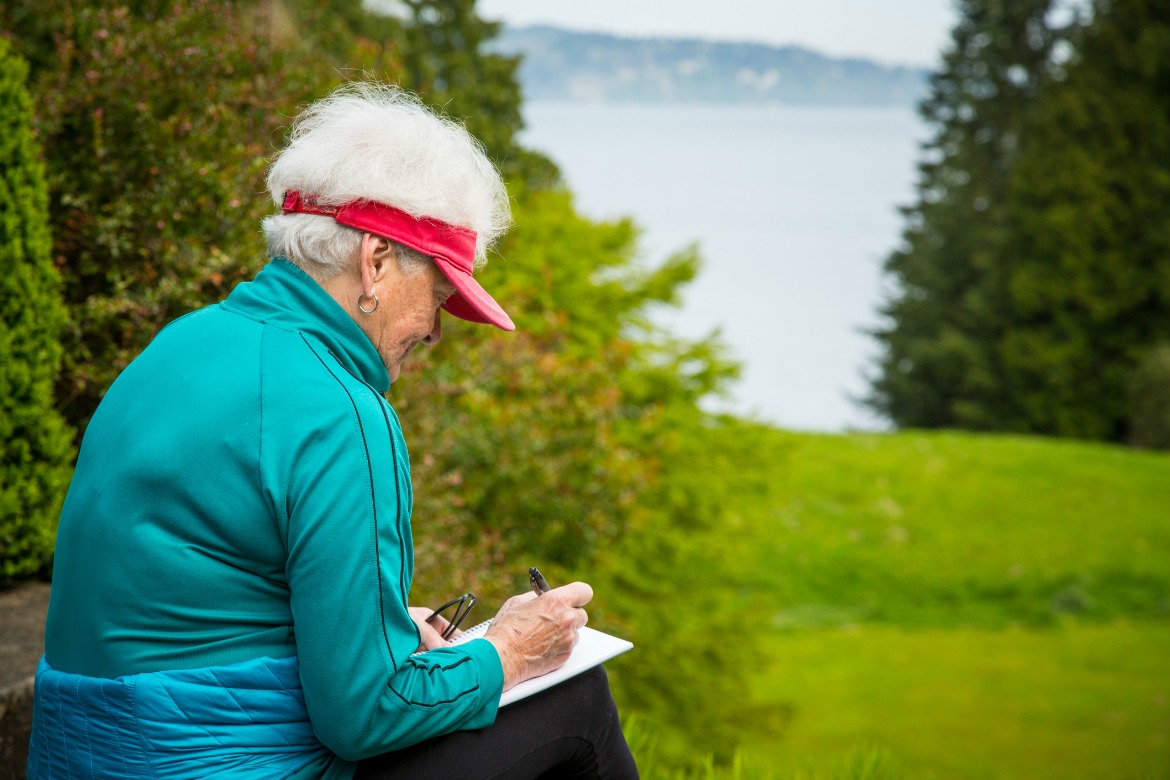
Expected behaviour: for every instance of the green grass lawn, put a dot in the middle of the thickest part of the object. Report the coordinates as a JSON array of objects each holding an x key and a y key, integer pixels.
[
  {"x": 1077, "y": 701},
  {"x": 978, "y": 606},
  {"x": 952, "y": 529}
]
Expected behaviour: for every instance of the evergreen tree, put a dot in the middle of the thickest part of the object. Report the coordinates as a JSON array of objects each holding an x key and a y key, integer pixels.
[
  {"x": 938, "y": 368},
  {"x": 1084, "y": 293},
  {"x": 37, "y": 451}
]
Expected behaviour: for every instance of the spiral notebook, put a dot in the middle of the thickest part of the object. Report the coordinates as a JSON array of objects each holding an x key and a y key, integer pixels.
[{"x": 593, "y": 648}]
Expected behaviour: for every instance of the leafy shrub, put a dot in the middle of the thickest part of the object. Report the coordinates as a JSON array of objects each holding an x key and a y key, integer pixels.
[{"x": 34, "y": 461}]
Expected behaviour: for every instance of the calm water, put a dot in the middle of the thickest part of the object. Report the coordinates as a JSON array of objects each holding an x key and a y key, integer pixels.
[{"x": 793, "y": 209}]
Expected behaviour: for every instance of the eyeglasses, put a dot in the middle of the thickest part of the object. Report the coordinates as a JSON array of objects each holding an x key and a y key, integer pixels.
[{"x": 462, "y": 605}]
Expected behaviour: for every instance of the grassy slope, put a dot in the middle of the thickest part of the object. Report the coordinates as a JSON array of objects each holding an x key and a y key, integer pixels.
[
  {"x": 945, "y": 529},
  {"x": 981, "y": 606}
]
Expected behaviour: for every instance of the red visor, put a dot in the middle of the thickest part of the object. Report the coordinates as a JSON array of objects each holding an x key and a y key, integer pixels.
[{"x": 450, "y": 246}]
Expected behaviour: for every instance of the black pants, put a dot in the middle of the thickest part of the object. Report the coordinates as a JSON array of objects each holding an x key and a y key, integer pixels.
[{"x": 569, "y": 731}]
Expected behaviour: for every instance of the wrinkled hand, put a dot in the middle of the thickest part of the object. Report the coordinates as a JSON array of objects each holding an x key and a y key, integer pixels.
[
  {"x": 430, "y": 633},
  {"x": 535, "y": 635}
]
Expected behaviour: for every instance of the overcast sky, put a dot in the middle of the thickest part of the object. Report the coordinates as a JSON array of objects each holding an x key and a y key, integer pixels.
[{"x": 892, "y": 31}]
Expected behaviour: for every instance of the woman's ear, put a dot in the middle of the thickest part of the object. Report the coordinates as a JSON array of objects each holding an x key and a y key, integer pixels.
[{"x": 375, "y": 262}]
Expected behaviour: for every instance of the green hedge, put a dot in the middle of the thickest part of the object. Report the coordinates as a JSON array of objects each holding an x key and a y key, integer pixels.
[{"x": 37, "y": 450}]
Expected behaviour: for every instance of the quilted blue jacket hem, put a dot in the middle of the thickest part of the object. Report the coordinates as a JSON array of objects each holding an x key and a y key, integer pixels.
[{"x": 246, "y": 720}]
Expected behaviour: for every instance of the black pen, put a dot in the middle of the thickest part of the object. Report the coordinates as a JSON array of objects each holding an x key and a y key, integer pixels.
[{"x": 537, "y": 581}]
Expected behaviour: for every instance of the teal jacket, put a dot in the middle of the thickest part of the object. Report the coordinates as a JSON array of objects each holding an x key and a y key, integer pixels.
[{"x": 243, "y": 492}]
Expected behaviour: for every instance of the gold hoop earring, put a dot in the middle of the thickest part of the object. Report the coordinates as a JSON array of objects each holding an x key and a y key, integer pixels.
[{"x": 363, "y": 309}]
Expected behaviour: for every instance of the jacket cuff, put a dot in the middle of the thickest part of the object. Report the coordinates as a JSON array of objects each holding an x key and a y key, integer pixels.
[{"x": 491, "y": 681}]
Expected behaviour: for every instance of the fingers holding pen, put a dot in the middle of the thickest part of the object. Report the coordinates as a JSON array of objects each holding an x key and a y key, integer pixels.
[
  {"x": 535, "y": 634},
  {"x": 567, "y": 605},
  {"x": 577, "y": 594},
  {"x": 559, "y": 607}
]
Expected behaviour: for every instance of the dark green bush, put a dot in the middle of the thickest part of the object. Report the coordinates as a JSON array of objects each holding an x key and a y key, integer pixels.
[{"x": 37, "y": 449}]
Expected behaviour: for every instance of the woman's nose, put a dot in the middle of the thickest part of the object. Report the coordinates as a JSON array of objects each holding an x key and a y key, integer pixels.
[{"x": 436, "y": 332}]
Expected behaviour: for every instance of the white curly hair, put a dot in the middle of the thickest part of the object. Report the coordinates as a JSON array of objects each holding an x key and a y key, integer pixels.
[{"x": 376, "y": 142}]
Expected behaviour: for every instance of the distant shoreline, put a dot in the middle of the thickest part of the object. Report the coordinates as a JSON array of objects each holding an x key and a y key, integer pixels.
[
  {"x": 561, "y": 65},
  {"x": 778, "y": 107}
]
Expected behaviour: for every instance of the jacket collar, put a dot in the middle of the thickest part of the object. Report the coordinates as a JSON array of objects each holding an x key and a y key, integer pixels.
[{"x": 285, "y": 296}]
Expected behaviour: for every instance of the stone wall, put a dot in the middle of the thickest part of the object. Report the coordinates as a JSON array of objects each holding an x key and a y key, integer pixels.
[{"x": 22, "y": 640}]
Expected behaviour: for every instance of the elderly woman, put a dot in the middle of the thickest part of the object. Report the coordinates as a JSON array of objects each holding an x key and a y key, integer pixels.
[{"x": 231, "y": 581}]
